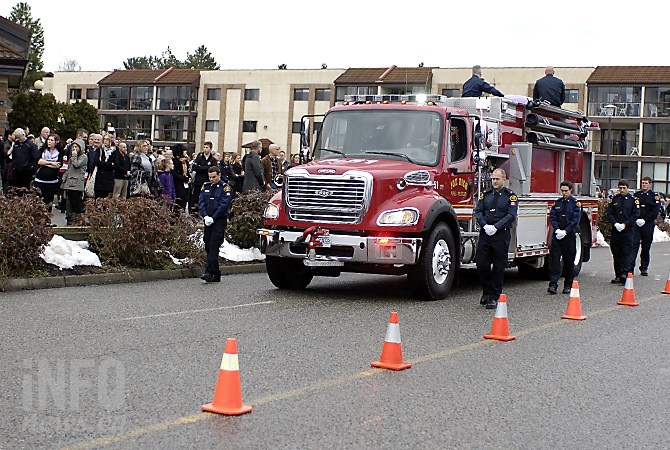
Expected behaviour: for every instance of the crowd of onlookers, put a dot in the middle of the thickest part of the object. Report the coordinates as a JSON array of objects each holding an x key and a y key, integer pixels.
[{"x": 98, "y": 165}]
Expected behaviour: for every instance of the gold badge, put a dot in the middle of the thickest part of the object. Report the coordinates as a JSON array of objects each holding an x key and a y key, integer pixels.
[
  {"x": 226, "y": 188},
  {"x": 481, "y": 196},
  {"x": 202, "y": 188},
  {"x": 512, "y": 198},
  {"x": 637, "y": 202},
  {"x": 579, "y": 204}
]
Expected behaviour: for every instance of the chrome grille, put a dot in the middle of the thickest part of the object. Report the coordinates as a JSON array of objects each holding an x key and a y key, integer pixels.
[{"x": 328, "y": 199}]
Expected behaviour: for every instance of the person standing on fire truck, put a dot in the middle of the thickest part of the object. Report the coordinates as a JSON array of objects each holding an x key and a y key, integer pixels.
[
  {"x": 495, "y": 212},
  {"x": 550, "y": 88},
  {"x": 564, "y": 218},
  {"x": 623, "y": 210},
  {"x": 476, "y": 85},
  {"x": 650, "y": 205}
]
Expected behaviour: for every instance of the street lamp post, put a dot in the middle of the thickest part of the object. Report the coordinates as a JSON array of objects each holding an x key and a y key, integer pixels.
[{"x": 609, "y": 110}]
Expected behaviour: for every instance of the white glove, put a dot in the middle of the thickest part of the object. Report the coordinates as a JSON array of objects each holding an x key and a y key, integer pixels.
[
  {"x": 208, "y": 221},
  {"x": 639, "y": 222},
  {"x": 490, "y": 230},
  {"x": 560, "y": 234},
  {"x": 619, "y": 227}
]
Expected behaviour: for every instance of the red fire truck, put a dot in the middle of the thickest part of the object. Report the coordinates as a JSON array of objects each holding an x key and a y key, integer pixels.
[{"x": 394, "y": 179}]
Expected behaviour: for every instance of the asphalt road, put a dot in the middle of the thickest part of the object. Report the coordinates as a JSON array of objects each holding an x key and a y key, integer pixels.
[{"x": 128, "y": 366}]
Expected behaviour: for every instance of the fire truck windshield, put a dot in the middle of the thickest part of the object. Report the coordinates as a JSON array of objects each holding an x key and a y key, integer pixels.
[{"x": 410, "y": 135}]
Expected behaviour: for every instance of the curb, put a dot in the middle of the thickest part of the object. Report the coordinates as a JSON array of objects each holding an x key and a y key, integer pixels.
[{"x": 21, "y": 284}]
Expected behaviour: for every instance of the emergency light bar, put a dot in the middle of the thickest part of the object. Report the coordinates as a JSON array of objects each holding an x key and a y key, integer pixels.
[{"x": 418, "y": 99}]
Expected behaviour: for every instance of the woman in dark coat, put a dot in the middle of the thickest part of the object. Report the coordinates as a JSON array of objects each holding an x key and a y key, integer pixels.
[
  {"x": 104, "y": 163},
  {"x": 180, "y": 174}
]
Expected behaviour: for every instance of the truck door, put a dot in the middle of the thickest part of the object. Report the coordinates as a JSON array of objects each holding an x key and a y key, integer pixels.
[{"x": 458, "y": 177}]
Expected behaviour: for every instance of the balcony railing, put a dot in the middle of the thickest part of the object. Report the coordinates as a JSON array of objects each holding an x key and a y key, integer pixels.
[{"x": 630, "y": 109}]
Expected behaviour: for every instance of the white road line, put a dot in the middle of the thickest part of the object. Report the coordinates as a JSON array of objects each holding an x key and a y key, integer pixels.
[{"x": 192, "y": 311}]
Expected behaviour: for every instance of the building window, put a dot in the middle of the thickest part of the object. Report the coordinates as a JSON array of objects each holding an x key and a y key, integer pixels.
[
  {"x": 75, "y": 94},
  {"x": 301, "y": 94},
  {"x": 212, "y": 125},
  {"x": 92, "y": 93},
  {"x": 341, "y": 91},
  {"x": 658, "y": 172},
  {"x": 323, "y": 95},
  {"x": 114, "y": 97},
  {"x": 249, "y": 126},
  {"x": 141, "y": 97},
  {"x": 214, "y": 94},
  {"x": 252, "y": 94},
  {"x": 626, "y": 99},
  {"x": 572, "y": 96},
  {"x": 296, "y": 127},
  {"x": 451, "y": 93},
  {"x": 656, "y": 139},
  {"x": 177, "y": 98}
]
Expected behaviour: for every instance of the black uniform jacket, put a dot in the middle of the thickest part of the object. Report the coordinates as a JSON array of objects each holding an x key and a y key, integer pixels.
[
  {"x": 498, "y": 208},
  {"x": 568, "y": 220}
]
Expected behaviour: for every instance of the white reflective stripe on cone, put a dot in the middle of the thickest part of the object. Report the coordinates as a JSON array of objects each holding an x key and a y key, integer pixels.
[
  {"x": 501, "y": 310},
  {"x": 230, "y": 362},
  {"x": 574, "y": 292},
  {"x": 629, "y": 283},
  {"x": 393, "y": 333}
]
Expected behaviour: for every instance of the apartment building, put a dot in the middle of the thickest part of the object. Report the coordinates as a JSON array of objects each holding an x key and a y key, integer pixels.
[{"x": 233, "y": 107}]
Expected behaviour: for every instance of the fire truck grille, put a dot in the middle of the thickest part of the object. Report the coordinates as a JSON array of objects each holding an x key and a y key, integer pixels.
[{"x": 326, "y": 199}]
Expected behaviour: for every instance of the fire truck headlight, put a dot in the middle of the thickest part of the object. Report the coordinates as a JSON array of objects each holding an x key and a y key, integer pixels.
[
  {"x": 271, "y": 211},
  {"x": 399, "y": 217}
]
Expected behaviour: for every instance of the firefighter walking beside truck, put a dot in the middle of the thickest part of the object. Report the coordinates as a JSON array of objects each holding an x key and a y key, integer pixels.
[{"x": 564, "y": 217}]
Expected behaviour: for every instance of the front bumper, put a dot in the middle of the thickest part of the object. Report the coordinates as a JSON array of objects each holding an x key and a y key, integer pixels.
[{"x": 343, "y": 248}]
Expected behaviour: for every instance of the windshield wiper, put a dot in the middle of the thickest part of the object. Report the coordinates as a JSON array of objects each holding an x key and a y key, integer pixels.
[
  {"x": 334, "y": 151},
  {"x": 390, "y": 154}
]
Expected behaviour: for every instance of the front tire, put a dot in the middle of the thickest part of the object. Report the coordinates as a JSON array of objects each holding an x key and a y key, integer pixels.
[
  {"x": 433, "y": 275},
  {"x": 288, "y": 273}
]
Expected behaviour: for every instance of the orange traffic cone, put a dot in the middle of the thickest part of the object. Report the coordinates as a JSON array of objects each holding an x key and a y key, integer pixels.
[
  {"x": 228, "y": 392},
  {"x": 500, "y": 327},
  {"x": 666, "y": 290},
  {"x": 574, "y": 311},
  {"x": 391, "y": 357},
  {"x": 628, "y": 296}
]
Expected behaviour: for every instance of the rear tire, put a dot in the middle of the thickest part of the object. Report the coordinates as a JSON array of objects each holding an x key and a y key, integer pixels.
[
  {"x": 288, "y": 273},
  {"x": 433, "y": 275}
]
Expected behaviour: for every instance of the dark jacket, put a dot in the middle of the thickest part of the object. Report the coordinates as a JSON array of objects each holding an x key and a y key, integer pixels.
[
  {"x": 121, "y": 165},
  {"x": 180, "y": 176},
  {"x": 200, "y": 166},
  {"x": 551, "y": 89},
  {"x": 227, "y": 173},
  {"x": 25, "y": 156},
  {"x": 475, "y": 86},
  {"x": 650, "y": 205},
  {"x": 104, "y": 178},
  {"x": 623, "y": 209},
  {"x": 500, "y": 212},
  {"x": 253, "y": 173},
  {"x": 215, "y": 200},
  {"x": 565, "y": 214}
]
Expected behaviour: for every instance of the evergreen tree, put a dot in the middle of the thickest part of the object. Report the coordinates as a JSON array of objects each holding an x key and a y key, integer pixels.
[
  {"x": 201, "y": 59},
  {"x": 22, "y": 15},
  {"x": 34, "y": 110},
  {"x": 77, "y": 115}
]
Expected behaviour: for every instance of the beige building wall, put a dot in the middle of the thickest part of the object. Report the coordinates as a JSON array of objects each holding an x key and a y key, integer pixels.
[
  {"x": 275, "y": 111},
  {"x": 62, "y": 82}
]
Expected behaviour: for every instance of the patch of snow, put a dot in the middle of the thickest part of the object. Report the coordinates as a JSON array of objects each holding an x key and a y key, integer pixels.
[
  {"x": 66, "y": 254},
  {"x": 232, "y": 252}
]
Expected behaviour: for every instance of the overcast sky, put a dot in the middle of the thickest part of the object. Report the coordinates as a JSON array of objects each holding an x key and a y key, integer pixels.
[{"x": 355, "y": 33}]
